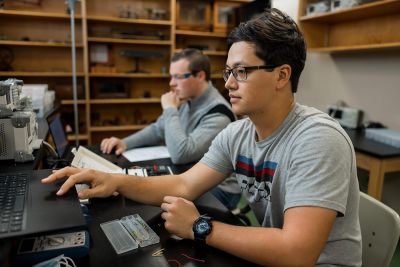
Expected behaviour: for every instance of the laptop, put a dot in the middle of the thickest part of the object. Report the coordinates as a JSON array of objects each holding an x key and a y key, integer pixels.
[
  {"x": 59, "y": 137},
  {"x": 34, "y": 208}
]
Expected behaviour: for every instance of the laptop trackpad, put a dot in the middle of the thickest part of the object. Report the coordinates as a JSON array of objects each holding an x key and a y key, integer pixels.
[{"x": 49, "y": 212}]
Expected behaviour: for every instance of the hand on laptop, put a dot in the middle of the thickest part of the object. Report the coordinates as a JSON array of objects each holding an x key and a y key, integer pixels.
[
  {"x": 108, "y": 144},
  {"x": 102, "y": 184}
]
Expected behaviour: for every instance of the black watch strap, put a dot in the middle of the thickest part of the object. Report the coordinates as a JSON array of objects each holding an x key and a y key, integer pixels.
[{"x": 202, "y": 227}]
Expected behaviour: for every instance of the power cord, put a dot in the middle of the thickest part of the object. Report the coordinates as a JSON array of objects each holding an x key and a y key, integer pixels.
[
  {"x": 50, "y": 149},
  {"x": 53, "y": 160}
]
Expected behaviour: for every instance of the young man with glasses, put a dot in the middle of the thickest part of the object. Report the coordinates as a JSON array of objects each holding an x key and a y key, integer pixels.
[
  {"x": 295, "y": 164},
  {"x": 194, "y": 112}
]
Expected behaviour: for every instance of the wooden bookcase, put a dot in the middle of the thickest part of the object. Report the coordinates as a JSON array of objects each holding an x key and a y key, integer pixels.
[
  {"x": 373, "y": 25},
  {"x": 39, "y": 38},
  {"x": 118, "y": 92}
]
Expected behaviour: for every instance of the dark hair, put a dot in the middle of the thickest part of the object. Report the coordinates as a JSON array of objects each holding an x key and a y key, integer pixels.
[
  {"x": 197, "y": 61},
  {"x": 277, "y": 40}
]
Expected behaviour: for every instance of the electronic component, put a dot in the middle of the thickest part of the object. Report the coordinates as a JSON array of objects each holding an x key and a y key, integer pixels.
[
  {"x": 32, "y": 250},
  {"x": 339, "y": 4},
  {"x": 319, "y": 7},
  {"x": 347, "y": 117},
  {"x": 140, "y": 230},
  {"x": 129, "y": 233},
  {"x": 20, "y": 132},
  {"x": 118, "y": 236},
  {"x": 19, "y": 129},
  {"x": 10, "y": 92},
  {"x": 157, "y": 170}
]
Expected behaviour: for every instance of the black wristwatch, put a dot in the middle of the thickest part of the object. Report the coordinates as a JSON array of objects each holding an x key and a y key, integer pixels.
[{"x": 201, "y": 228}]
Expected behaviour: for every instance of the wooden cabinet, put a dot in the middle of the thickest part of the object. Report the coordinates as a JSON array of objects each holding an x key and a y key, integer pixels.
[
  {"x": 125, "y": 90},
  {"x": 39, "y": 40},
  {"x": 123, "y": 55},
  {"x": 211, "y": 41},
  {"x": 373, "y": 25}
]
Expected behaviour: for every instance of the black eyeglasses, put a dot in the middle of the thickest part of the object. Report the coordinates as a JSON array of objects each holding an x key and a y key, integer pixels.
[
  {"x": 181, "y": 76},
  {"x": 240, "y": 72}
]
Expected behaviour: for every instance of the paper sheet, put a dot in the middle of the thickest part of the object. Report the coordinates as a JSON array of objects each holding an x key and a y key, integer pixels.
[
  {"x": 146, "y": 153},
  {"x": 85, "y": 158}
]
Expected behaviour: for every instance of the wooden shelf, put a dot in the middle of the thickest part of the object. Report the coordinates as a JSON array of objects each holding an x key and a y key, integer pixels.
[
  {"x": 355, "y": 48},
  {"x": 372, "y": 26},
  {"x": 116, "y": 128},
  {"x": 51, "y": 22},
  {"x": 375, "y": 9},
  {"x": 127, "y": 41},
  {"x": 37, "y": 74},
  {"x": 37, "y": 43},
  {"x": 209, "y": 52},
  {"x": 71, "y": 102},
  {"x": 205, "y": 34},
  {"x": 216, "y": 76},
  {"x": 215, "y": 53},
  {"x": 126, "y": 101},
  {"x": 129, "y": 21},
  {"x": 130, "y": 75},
  {"x": 81, "y": 137},
  {"x": 37, "y": 14}
]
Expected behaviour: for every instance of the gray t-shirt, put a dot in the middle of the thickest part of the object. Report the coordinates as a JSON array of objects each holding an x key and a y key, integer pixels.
[{"x": 308, "y": 161}]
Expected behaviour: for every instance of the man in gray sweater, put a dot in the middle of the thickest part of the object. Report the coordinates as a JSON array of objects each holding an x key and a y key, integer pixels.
[{"x": 194, "y": 112}]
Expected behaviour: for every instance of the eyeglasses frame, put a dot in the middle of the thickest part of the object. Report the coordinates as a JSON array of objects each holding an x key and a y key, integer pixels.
[
  {"x": 183, "y": 76},
  {"x": 248, "y": 69}
]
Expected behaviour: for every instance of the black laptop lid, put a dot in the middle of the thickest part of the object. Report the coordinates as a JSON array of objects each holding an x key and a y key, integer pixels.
[{"x": 58, "y": 134}]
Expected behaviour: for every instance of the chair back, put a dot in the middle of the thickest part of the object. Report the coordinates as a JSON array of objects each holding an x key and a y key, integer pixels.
[{"x": 380, "y": 230}]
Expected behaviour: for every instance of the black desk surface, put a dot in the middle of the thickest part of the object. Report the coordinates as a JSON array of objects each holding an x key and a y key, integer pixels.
[
  {"x": 102, "y": 253},
  {"x": 103, "y": 210},
  {"x": 371, "y": 147}
]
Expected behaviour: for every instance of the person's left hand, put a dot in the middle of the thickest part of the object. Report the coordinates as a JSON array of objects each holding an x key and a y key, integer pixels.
[
  {"x": 179, "y": 215},
  {"x": 170, "y": 99}
]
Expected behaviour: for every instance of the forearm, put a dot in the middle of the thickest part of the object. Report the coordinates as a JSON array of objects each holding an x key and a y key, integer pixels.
[
  {"x": 145, "y": 137},
  {"x": 151, "y": 190},
  {"x": 265, "y": 246}
]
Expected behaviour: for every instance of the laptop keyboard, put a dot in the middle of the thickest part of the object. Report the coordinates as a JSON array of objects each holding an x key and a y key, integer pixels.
[{"x": 13, "y": 190}]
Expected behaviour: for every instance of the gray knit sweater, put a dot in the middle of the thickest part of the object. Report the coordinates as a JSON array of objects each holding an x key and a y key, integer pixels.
[{"x": 176, "y": 128}]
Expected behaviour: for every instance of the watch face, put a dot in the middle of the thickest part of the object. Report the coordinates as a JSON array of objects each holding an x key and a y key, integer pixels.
[{"x": 202, "y": 227}]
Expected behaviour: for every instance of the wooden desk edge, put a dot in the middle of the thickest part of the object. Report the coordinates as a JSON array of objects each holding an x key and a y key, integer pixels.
[{"x": 377, "y": 168}]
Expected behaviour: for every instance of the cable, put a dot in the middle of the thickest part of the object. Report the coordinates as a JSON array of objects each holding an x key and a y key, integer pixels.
[
  {"x": 65, "y": 261},
  {"x": 50, "y": 149}
]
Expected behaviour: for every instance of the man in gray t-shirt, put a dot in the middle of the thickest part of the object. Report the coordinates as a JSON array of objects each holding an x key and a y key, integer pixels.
[
  {"x": 308, "y": 161},
  {"x": 295, "y": 165}
]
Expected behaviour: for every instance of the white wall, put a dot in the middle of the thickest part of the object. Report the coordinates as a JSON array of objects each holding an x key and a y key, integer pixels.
[{"x": 366, "y": 80}]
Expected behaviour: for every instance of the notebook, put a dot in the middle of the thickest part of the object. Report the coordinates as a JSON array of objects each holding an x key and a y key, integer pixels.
[{"x": 36, "y": 209}]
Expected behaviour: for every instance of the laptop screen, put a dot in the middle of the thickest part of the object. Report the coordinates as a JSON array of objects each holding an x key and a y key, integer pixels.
[{"x": 58, "y": 134}]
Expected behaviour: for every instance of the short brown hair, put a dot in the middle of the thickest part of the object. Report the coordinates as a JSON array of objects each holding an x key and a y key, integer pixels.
[
  {"x": 277, "y": 39},
  {"x": 197, "y": 61}
]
